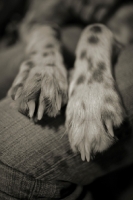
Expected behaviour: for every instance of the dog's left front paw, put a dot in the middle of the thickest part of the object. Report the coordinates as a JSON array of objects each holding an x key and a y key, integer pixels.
[
  {"x": 91, "y": 114},
  {"x": 94, "y": 106}
]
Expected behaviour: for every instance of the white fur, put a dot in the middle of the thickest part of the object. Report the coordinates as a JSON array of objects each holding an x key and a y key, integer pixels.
[{"x": 85, "y": 126}]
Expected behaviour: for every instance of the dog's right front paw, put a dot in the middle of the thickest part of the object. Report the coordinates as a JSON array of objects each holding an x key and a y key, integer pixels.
[
  {"x": 41, "y": 88},
  {"x": 41, "y": 84}
]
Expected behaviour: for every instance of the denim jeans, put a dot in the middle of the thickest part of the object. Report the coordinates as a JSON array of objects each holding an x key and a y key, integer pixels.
[{"x": 36, "y": 161}]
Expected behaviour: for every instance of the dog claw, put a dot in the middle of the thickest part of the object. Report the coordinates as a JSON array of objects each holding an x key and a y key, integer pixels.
[
  {"x": 31, "y": 105},
  {"x": 40, "y": 111}
]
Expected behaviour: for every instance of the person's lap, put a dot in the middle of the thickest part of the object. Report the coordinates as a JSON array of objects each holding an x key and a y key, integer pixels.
[{"x": 42, "y": 150}]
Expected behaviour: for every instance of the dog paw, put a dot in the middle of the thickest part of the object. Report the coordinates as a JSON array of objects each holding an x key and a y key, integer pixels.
[
  {"x": 91, "y": 114},
  {"x": 39, "y": 88}
]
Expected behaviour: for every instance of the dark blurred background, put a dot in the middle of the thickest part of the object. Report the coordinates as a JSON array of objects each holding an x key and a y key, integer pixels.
[{"x": 11, "y": 14}]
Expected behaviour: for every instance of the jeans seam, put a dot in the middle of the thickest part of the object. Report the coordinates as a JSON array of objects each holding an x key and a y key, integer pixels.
[{"x": 32, "y": 191}]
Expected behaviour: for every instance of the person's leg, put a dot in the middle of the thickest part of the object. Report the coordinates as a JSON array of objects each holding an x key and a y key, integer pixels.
[{"x": 42, "y": 151}]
